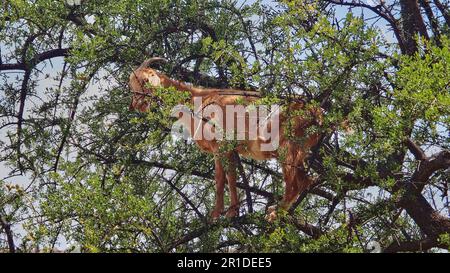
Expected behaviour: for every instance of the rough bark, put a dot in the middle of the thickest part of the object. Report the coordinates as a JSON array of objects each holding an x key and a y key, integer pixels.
[{"x": 412, "y": 24}]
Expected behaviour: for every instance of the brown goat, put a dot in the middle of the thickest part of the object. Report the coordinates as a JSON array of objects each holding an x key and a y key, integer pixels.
[{"x": 291, "y": 152}]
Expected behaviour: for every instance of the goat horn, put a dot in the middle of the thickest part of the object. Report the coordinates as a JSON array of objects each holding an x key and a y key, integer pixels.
[{"x": 149, "y": 61}]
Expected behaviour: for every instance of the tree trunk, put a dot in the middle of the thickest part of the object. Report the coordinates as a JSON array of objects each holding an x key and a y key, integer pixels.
[{"x": 413, "y": 24}]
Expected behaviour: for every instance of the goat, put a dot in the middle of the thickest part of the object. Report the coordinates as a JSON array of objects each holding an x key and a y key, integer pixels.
[{"x": 291, "y": 153}]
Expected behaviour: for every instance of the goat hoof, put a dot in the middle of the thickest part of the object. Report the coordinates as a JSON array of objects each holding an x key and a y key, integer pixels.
[
  {"x": 271, "y": 215},
  {"x": 215, "y": 215},
  {"x": 232, "y": 213}
]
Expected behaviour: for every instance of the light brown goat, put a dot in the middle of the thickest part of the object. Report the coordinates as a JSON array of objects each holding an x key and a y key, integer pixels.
[{"x": 291, "y": 152}]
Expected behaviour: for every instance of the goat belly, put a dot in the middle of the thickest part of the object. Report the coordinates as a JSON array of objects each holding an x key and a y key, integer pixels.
[{"x": 207, "y": 146}]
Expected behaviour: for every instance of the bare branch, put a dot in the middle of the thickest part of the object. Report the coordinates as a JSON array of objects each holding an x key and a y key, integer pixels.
[
  {"x": 9, "y": 235},
  {"x": 415, "y": 149},
  {"x": 412, "y": 246},
  {"x": 245, "y": 180},
  {"x": 443, "y": 10},
  {"x": 439, "y": 161}
]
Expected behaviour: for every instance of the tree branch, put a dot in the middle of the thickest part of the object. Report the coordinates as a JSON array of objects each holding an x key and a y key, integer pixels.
[
  {"x": 431, "y": 222},
  {"x": 306, "y": 228},
  {"x": 248, "y": 194},
  {"x": 439, "y": 161},
  {"x": 415, "y": 149},
  {"x": 380, "y": 12},
  {"x": 185, "y": 198},
  {"x": 443, "y": 10},
  {"x": 412, "y": 246},
  {"x": 9, "y": 235}
]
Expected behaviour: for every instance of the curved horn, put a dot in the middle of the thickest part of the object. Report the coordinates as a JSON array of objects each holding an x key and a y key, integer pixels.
[{"x": 149, "y": 61}]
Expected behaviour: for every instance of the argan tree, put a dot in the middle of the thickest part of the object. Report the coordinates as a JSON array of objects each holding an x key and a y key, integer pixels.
[{"x": 80, "y": 171}]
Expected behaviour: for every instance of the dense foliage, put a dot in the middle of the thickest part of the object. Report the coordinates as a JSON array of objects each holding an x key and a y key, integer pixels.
[{"x": 80, "y": 171}]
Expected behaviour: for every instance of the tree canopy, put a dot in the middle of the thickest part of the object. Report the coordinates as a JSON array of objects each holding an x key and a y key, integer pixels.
[{"x": 80, "y": 171}]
